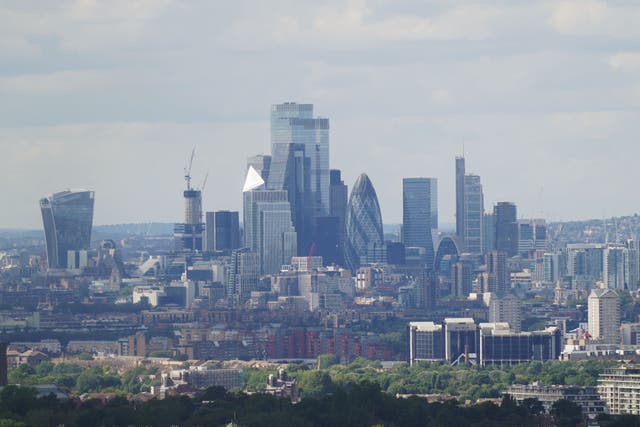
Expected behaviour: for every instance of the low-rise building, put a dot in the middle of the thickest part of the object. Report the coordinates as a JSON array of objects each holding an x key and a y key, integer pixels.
[
  {"x": 426, "y": 342},
  {"x": 499, "y": 345},
  {"x": 586, "y": 397},
  {"x": 283, "y": 386},
  {"x": 620, "y": 389}
]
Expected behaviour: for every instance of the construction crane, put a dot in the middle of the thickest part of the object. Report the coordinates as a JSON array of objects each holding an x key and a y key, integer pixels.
[
  {"x": 187, "y": 170},
  {"x": 204, "y": 182}
]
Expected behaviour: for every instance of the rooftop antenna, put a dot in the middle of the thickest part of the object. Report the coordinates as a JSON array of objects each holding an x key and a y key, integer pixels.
[
  {"x": 187, "y": 170},
  {"x": 540, "y": 201}
]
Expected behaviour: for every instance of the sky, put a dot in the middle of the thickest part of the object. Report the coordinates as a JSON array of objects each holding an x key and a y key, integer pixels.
[{"x": 543, "y": 98}]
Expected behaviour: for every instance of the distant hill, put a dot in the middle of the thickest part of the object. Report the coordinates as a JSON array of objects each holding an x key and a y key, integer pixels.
[
  {"x": 615, "y": 229},
  {"x": 99, "y": 232},
  {"x": 150, "y": 229}
]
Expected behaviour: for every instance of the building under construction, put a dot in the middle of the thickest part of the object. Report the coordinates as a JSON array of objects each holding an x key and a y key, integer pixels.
[{"x": 188, "y": 234}]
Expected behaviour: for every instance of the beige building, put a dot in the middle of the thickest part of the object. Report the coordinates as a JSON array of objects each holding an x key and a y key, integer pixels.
[
  {"x": 604, "y": 316},
  {"x": 506, "y": 309}
]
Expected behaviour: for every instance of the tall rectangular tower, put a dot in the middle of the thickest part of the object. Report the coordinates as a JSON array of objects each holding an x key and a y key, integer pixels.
[
  {"x": 339, "y": 195},
  {"x": 473, "y": 214},
  {"x": 604, "y": 316},
  {"x": 506, "y": 221},
  {"x": 268, "y": 227},
  {"x": 460, "y": 215},
  {"x": 225, "y": 230},
  {"x": 300, "y": 165},
  {"x": 498, "y": 278},
  {"x": 615, "y": 268},
  {"x": 434, "y": 202},
  {"x": 416, "y": 215}
]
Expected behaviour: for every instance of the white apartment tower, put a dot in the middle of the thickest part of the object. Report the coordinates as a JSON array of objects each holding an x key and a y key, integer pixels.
[{"x": 604, "y": 316}]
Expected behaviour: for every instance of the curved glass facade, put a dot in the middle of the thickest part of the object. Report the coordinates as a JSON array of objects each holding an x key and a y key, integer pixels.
[
  {"x": 365, "y": 240},
  {"x": 67, "y": 217},
  {"x": 447, "y": 246}
]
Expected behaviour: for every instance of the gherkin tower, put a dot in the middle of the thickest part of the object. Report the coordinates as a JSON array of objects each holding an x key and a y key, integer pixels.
[{"x": 365, "y": 240}]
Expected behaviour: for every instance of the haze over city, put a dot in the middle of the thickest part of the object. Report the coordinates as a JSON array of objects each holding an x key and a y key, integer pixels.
[{"x": 112, "y": 96}]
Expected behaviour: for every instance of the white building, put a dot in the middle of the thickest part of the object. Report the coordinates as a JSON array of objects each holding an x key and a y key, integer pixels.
[
  {"x": 620, "y": 389},
  {"x": 604, "y": 316},
  {"x": 151, "y": 293}
]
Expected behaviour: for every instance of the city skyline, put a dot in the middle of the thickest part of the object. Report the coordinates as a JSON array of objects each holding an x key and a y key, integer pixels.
[
  {"x": 542, "y": 95},
  {"x": 226, "y": 190}
]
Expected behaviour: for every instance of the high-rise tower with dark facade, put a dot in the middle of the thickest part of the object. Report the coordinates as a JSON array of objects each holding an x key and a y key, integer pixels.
[
  {"x": 506, "y": 228},
  {"x": 67, "y": 217},
  {"x": 416, "y": 215},
  {"x": 222, "y": 231},
  {"x": 338, "y": 199}
]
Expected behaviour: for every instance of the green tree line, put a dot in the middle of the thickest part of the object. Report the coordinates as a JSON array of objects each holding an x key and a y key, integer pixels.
[{"x": 360, "y": 405}]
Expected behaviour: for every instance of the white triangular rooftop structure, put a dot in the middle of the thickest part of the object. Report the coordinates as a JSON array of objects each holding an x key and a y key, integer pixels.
[{"x": 253, "y": 180}]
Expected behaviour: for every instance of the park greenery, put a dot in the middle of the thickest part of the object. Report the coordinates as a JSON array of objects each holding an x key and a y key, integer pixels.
[
  {"x": 79, "y": 379},
  {"x": 463, "y": 382},
  {"x": 359, "y": 394},
  {"x": 360, "y": 405}
]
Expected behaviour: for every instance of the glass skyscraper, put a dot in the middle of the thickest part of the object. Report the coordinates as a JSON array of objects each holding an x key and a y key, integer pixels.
[
  {"x": 67, "y": 217},
  {"x": 222, "y": 230},
  {"x": 300, "y": 165},
  {"x": 469, "y": 208},
  {"x": 434, "y": 202},
  {"x": 416, "y": 215},
  {"x": 505, "y": 217},
  {"x": 460, "y": 215},
  {"x": 365, "y": 239},
  {"x": 473, "y": 213},
  {"x": 268, "y": 225}
]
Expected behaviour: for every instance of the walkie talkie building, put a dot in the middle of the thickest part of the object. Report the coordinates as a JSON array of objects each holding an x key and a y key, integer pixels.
[{"x": 67, "y": 217}]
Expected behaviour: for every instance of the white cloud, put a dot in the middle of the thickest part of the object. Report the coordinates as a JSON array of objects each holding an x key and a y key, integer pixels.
[
  {"x": 58, "y": 82},
  {"x": 628, "y": 61},
  {"x": 596, "y": 18}
]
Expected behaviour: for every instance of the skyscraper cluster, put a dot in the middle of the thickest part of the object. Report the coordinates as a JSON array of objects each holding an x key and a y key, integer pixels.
[{"x": 287, "y": 194}]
